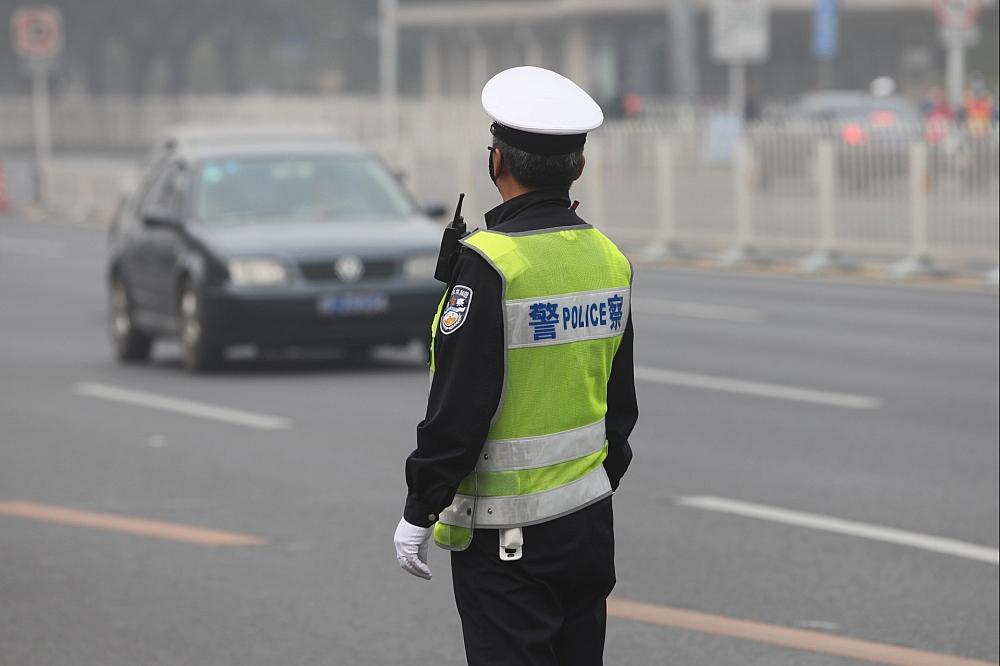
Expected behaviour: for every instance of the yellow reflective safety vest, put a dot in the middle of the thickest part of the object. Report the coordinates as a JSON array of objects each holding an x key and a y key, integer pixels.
[{"x": 566, "y": 298}]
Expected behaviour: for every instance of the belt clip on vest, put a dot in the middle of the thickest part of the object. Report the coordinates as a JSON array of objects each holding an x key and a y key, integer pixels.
[{"x": 511, "y": 541}]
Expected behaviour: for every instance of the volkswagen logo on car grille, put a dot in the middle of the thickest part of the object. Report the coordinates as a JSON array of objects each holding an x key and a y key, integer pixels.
[{"x": 349, "y": 268}]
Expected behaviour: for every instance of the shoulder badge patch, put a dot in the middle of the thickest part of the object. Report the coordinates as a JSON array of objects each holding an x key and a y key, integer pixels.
[{"x": 456, "y": 309}]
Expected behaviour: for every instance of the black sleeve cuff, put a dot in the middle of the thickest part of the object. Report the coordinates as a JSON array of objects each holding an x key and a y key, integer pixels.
[{"x": 419, "y": 514}]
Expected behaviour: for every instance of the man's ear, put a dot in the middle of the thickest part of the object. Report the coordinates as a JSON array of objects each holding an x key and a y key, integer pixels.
[
  {"x": 583, "y": 163},
  {"x": 497, "y": 157}
]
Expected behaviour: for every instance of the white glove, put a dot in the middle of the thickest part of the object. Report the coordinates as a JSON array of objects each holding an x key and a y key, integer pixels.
[{"x": 411, "y": 548}]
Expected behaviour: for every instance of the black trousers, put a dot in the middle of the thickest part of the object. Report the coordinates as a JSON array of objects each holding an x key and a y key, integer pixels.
[{"x": 546, "y": 609}]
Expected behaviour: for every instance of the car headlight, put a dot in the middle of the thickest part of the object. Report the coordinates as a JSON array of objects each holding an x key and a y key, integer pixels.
[
  {"x": 420, "y": 267},
  {"x": 257, "y": 272}
]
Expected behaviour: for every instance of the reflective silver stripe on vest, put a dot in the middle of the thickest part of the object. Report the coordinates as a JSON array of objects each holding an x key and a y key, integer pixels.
[
  {"x": 529, "y": 452},
  {"x": 521, "y": 510},
  {"x": 553, "y": 320}
]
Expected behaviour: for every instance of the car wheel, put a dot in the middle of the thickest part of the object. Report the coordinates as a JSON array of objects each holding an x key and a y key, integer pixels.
[
  {"x": 199, "y": 351},
  {"x": 129, "y": 343}
]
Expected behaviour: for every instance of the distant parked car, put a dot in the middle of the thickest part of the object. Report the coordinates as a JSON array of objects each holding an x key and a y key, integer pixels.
[
  {"x": 871, "y": 137},
  {"x": 860, "y": 116},
  {"x": 275, "y": 238}
]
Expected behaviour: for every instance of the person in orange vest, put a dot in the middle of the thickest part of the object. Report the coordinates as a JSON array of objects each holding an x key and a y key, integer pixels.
[{"x": 978, "y": 109}]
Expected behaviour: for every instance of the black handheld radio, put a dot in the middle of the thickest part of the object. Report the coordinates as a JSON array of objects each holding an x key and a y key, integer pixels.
[{"x": 453, "y": 233}]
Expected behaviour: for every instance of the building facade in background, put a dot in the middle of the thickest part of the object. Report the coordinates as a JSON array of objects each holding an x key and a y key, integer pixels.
[
  {"x": 631, "y": 46},
  {"x": 649, "y": 48}
]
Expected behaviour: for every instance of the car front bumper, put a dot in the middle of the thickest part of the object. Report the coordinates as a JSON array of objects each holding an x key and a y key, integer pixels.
[{"x": 291, "y": 316}]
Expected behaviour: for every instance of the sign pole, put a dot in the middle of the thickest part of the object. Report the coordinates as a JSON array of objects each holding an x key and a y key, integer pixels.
[
  {"x": 955, "y": 73},
  {"x": 824, "y": 74},
  {"x": 37, "y": 36},
  {"x": 737, "y": 88},
  {"x": 825, "y": 40},
  {"x": 43, "y": 132},
  {"x": 959, "y": 30},
  {"x": 741, "y": 35},
  {"x": 684, "y": 49},
  {"x": 388, "y": 73}
]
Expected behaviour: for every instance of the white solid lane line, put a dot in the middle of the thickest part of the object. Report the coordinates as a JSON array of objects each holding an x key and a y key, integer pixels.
[
  {"x": 181, "y": 406},
  {"x": 760, "y": 389},
  {"x": 814, "y": 521},
  {"x": 696, "y": 310}
]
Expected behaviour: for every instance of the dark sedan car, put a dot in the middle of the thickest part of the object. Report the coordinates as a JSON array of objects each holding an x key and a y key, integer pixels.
[{"x": 273, "y": 240}]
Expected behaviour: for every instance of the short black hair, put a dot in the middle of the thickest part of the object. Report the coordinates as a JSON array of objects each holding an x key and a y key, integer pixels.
[{"x": 540, "y": 171}]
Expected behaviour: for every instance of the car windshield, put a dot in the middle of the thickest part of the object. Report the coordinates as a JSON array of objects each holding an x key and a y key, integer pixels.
[{"x": 241, "y": 190}]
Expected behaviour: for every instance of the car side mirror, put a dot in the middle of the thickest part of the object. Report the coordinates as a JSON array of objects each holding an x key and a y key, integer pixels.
[
  {"x": 161, "y": 219},
  {"x": 435, "y": 210}
]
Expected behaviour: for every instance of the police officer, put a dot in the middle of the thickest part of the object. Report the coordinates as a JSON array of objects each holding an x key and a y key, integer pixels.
[{"x": 532, "y": 398}]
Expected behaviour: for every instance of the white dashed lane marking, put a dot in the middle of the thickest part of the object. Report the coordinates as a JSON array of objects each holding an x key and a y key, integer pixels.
[
  {"x": 759, "y": 389},
  {"x": 181, "y": 406},
  {"x": 969, "y": 551}
]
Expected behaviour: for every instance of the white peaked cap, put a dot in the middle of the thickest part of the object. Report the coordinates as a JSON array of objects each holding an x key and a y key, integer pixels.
[{"x": 540, "y": 101}]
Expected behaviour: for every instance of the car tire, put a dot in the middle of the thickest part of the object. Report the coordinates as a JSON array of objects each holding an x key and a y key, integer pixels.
[
  {"x": 199, "y": 352},
  {"x": 130, "y": 345}
]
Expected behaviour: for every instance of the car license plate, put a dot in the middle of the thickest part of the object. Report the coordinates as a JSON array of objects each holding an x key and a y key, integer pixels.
[{"x": 339, "y": 305}]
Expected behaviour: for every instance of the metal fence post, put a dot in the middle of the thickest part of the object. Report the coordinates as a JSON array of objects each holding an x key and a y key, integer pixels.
[
  {"x": 665, "y": 244},
  {"x": 43, "y": 133},
  {"x": 918, "y": 260},
  {"x": 826, "y": 254},
  {"x": 743, "y": 177}
]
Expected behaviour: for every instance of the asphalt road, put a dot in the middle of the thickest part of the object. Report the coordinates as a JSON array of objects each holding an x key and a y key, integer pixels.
[{"x": 841, "y": 402}]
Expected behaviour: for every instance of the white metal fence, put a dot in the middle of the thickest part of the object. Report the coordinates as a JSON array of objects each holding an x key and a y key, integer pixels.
[
  {"x": 776, "y": 190},
  {"x": 694, "y": 182}
]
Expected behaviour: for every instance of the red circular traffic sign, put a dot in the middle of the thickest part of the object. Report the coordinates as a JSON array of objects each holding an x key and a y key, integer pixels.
[
  {"x": 37, "y": 32},
  {"x": 958, "y": 14}
]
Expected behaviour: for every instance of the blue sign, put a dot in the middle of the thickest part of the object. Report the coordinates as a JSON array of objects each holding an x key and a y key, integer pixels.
[{"x": 825, "y": 27}]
